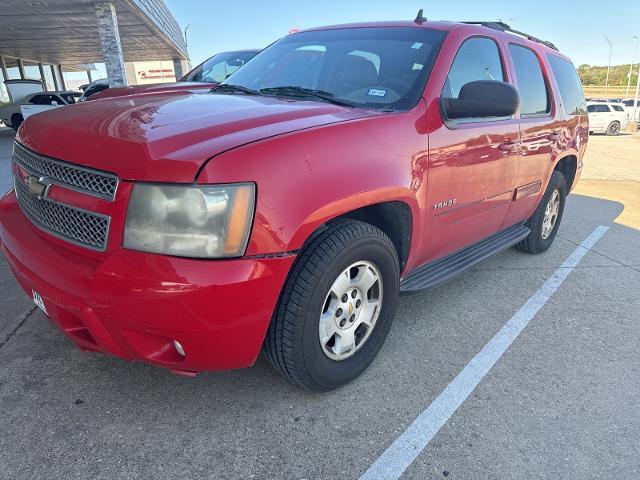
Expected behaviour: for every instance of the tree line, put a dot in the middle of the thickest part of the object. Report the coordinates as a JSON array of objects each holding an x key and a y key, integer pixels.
[{"x": 596, "y": 75}]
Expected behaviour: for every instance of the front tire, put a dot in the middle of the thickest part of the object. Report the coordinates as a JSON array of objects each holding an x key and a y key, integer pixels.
[
  {"x": 336, "y": 307},
  {"x": 545, "y": 221},
  {"x": 16, "y": 121}
]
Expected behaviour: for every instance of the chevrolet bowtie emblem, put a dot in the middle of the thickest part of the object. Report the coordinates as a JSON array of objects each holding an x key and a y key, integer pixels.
[
  {"x": 37, "y": 186},
  {"x": 350, "y": 308}
]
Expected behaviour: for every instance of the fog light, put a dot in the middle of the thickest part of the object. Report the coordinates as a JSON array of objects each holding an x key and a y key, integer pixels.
[{"x": 178, "y": 348}]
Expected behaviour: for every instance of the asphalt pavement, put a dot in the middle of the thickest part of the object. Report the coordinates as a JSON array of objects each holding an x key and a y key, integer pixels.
[{"x": 562, "y": 402}]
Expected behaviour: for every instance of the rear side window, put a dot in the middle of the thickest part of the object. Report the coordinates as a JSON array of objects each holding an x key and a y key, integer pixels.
[
  {"x": 477, "y": 59},
  {"x": 569, "y": 85},
  {"x": 532, "y": 88},
  {"x": 598, "y": 108},
  {"x": 617, "y": 108}
]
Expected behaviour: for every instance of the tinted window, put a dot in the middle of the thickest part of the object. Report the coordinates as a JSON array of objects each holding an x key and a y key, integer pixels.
[
  {"x": 93, "y": 89},
  {"x": 219, "y": 67},
  {"x": 44, "y": 99},
  {"x": 477, "y": 59},
  {"x": 532, "y": 88},
  {"x": 617, "y": 108},
  {"x": 628, "y": 103},
  {"x": 569, "y": 85},
  {"x": 598, "y": 108},
  {"x": 384, "y": 68}
]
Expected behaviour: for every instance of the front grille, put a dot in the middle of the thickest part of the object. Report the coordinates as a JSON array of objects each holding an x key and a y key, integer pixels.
[
  {"x": 72, "y": 224},
  {"x": 92, "y": 182}
]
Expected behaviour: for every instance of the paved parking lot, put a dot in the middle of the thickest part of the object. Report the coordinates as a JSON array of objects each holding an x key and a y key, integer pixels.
[{"x": 562, "y": 402}]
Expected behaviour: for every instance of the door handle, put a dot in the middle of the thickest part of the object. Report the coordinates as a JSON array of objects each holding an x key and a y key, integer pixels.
[{"x": 509, "y": 146}]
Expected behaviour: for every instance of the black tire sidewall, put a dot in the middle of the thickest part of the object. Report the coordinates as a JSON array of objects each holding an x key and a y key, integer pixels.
[
  {"x": 328, "y": 373},
  {"x": 557, "y": 182},
  {"x": 20, "y": 120}
]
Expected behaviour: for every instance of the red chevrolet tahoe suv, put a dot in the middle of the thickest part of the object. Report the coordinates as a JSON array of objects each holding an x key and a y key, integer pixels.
[{"x": 286, "y": 210}]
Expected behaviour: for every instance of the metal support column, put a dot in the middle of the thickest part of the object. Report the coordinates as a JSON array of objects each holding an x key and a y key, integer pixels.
[
  {"x": 21, "y": 68},
  {"x": 63, "y": 86},
  {"x": 55, "y": 77},
  {"x": 3, "y": 65},
  {"x": 42, "y": 77}
]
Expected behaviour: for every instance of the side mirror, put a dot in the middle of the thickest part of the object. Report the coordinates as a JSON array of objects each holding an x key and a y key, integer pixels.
[
  {"x": 54, "y": 103},
  {"x": 482, "y": 99}
]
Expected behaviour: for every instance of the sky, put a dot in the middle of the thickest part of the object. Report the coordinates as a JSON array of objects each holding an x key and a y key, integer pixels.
[{"x": 575, "y": 27}]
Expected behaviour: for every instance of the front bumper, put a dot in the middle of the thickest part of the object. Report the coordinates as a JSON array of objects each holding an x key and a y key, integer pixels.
[{"x": 133, "y": 305}]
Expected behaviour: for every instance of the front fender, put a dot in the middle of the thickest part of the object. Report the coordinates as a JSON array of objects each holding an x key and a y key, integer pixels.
[
  {"x": 354, "y": 202},
  {"x": 310, "y": 176}
]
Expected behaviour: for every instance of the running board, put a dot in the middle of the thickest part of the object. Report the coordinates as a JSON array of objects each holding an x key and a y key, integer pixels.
[{"x": 440, "y": 271}]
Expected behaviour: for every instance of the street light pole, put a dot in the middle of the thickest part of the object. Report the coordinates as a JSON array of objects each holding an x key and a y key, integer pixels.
[
  {"x": 606, "y": 83},
  {"x": 186, "y": 42},
  {"x": 635, "y": 102},
  {"x": 633, "y": 58}
]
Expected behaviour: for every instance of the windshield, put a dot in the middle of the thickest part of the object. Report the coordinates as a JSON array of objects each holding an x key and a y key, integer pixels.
[
  {"x": 71, "y": 97},
  {"x": 219, "y": 67},
  {"x": 383, "y": 68}
]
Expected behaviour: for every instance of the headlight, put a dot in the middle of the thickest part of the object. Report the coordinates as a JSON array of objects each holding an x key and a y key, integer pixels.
[{"x": 208, "y": 221}]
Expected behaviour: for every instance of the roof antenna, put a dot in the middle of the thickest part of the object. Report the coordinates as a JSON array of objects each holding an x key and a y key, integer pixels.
[{"x": 420, "y": 18}]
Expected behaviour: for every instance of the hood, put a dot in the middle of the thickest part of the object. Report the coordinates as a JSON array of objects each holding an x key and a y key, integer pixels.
[
  {"x": 19, "y": 89},
  {"x": 153, "y": 88},
  {"x": 168, "y": 137}
]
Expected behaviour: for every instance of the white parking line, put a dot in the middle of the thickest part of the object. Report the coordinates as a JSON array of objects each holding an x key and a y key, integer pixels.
[{"x": 406, "y": 448}]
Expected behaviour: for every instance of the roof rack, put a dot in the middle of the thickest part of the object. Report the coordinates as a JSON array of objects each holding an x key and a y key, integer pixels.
[{"x": 503, "y": 27}]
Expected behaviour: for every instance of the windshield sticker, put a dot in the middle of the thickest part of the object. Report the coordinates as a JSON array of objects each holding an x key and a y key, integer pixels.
[{"x": 377, "y": 92}]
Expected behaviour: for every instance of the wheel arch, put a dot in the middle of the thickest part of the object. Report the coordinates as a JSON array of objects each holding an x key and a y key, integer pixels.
[
  {"x": 568, "y": 166},
  {"x": 395, "y": 215}
]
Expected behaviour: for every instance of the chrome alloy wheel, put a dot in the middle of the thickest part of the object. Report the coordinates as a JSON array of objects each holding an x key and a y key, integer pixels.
[
  {"x": 614, "y": 129},
  {"x": 350, "y": 310},
  {"x": 551, "y": 214}
]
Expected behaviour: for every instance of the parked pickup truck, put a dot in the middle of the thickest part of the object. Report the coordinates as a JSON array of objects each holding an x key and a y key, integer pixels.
[{"x": 286, "y": 210}]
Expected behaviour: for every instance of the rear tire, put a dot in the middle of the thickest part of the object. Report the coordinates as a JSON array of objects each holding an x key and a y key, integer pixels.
[
  {"x": 295, "y": 344},
  {"x": 613, "y": 128},
  {"x": 545, "y": 221},
  {"x": 16, "y": 121}
]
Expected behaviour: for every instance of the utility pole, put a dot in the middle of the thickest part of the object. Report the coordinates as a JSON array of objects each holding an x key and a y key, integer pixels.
[
  {"x": 633, "y": 58},
  {"x": 634, "y": 118},
  {"x": 606, "y": 83}
]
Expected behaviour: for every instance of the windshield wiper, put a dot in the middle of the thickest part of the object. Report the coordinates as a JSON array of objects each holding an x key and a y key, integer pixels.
[
  {"x": 229, "y": 88},
  {"x": 301, "y": 92}
]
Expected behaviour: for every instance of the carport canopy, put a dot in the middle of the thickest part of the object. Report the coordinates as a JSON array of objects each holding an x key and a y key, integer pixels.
[{"x": 80, "y": 32}]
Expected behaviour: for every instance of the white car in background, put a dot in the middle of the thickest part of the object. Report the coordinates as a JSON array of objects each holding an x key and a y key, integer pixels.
[
  {"x": 628, "y": 107},
  {"x": 28, "y": 98},
  {"x": 608, "y": 118}
]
